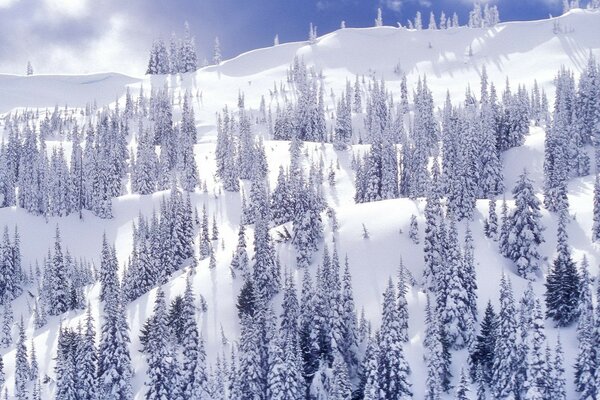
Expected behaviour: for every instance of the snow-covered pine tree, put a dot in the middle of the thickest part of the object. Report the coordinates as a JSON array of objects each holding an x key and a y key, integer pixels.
[
  {"x": 163, "y": 379},
  {"x": 307, "y": 225},
  {"x": 596, "y": 214},
  {"x": 348, "y": 345},
  {"x": 491, "y": 227},
  {"x": 379, "y": 19},
  {"x": 536, "y": 361},
  {"x": 109, "y": 281},
  {"x": 563, "y": 282},
  {"x": 22, "y": 371},
  {"x": 115, "y": 369},
  {"x": 87, "y": 361},
  {"x": 393, "y": 368},
  {"x": 585, "y": 359},
  {"x": 505, "y": 346},
  {"x": 525, "y": 229},
  {"x": 188, "y": 60},
  {"x": 217, "y": 52},
  {"x": 65, "y": 367},
  {"x": 58, "y": 302},
  {"x": 194, "y": 377},
  {"x": 462, "y": 391},
  {"x": 413, "y": 232},
  {"x": 557, "y": 389},
  {"x": 481, "y": 356},
  {"x": 7, "y": 324}
]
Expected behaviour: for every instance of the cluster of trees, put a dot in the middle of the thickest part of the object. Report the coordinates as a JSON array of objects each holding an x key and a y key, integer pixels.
[
  {"x": 478, "y": 18},
  {"x": 11, "y": 273},
  {"x": 470, "y": 138},
  {"x": 313, "y": 351},
  {"x": 160, "y": 245},
  {"x": 62, "y": 283},
  {"x": 511, "y": 356},
  {"x": 573, "y": 4},
  {"x": 180, "y": 57},
  {"x": 174, "y": 350},
  {"x": 149, "y": 172},
  {"x": 304, "y": 119},
  {"x": 574, "y": 125},
  {"x": 49, "y": 184}
]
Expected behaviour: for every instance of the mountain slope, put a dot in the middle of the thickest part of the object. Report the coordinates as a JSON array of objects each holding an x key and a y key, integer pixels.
[{"x": 520, "y": 50}]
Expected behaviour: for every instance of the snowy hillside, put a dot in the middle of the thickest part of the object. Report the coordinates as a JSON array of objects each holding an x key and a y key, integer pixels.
[{"x": 374, "y": 235}]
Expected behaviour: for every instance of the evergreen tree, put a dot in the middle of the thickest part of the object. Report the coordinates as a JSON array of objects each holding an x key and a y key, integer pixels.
[
  {"x": 193, "y": 377},
  {"x": 22, "y": 371},
  {"x": 491, "y": 227},
  {"x": 58, "y": 290},
  {"x": 87, "y": 360},
  {"x": 585, "y": 360},
  {"x": 596, "y": 217},
  {"x": 109, "y": 281},
  {"x": 217, "y": 52},
  {"x": 115, "y": 370},
  {"x": 557, "y": 389},
  {"x": 505, "y": 351},
  {"x": 393, "y": 368},
  {"x": 537, "y": 364},
  {"x": 525, "y": 233},
  {"x": 482, "y": 354},
  {"x": 462, "y": 392},
  {"x": 65, "y": 367},
  {"x": 563, "y": 282},
  {"x": 162, "y": 373},
  {"x": 7, "y": 324}
]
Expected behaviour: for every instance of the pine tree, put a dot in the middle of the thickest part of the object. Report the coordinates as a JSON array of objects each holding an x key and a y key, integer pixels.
[
  {"x": 437, "y": 357},
  {"x": 402, "y": 303},
  {"x": 65, "y": 368},
  {"x": 58, "y": 295},
  {"x": 109, "y": 281},
  {"x": 482, "y": 353},
  {"x": 596, "y": 217},
  {"x": 505, "y": 351},
  {"x": 349, "y": 339},
  {"x": 525, "y": 232},
  {"x": 462, "y": 392},
  {"x": 2, "y": 375},
  {"x": 413, "y": 232},
  {"x": 393, "y": 368},
  {"x": 87, "y": 360},
  {"x": 7, "y": 324},
  {"x": 217, "y": 52},
  {"x": 34, "y": 368},
  {"x": 114, "y": 361},
  {"x": 537, "y": 364},
  {"x": 162, "y": 373},
  {"x": 585, "y": 360},
  {"x": 491, "y": 227},
  {"x": 193, "y": 369},
  {"x": 558, "y": 388},
  {"x": 22, "y": 371},
  {"x": 563, "y": 282},
  {"x": 379, "y": 19}
]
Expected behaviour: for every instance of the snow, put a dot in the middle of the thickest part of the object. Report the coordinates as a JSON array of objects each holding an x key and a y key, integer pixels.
[
  {"x": 522, "y": 51},
  {"x": 46, "y": 91}
]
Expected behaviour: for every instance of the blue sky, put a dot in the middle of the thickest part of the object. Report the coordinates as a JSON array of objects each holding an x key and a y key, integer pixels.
[{"x": 79, "y": 36}]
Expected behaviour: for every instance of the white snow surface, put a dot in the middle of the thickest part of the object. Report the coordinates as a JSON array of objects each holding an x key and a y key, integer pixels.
[{"x": 522, "y": 51}]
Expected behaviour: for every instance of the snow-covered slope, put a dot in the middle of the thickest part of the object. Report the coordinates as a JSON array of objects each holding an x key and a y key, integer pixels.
[
  {"x": 46, "y": 91},
  {"x": 522, "y": 51}
]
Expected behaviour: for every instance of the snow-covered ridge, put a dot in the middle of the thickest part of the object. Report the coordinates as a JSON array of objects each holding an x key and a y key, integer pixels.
[{"x": 71, "y": 90}]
